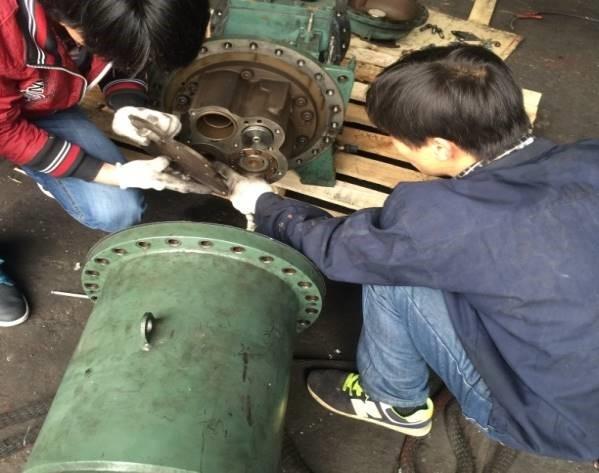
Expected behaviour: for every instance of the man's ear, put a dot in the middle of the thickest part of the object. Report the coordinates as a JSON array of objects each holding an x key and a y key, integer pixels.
[{"x": 442, "y": 149}]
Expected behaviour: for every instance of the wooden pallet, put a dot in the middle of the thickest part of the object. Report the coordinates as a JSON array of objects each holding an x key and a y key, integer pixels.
[{"x": 366, "y": 178}]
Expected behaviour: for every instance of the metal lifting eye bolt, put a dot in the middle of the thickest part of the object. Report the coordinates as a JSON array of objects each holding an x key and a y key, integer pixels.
[{"x": 148, "y": 323}]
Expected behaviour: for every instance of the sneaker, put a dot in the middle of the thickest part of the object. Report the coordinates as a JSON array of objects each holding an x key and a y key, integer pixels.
[
  {"x": 14, "y": 309},
  {"x": 340, "y": 392}
]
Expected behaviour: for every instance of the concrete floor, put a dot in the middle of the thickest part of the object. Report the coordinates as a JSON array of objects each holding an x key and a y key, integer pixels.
[{"x": 44, "y": 247}]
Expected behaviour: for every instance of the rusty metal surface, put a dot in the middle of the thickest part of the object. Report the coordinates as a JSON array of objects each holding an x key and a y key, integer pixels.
[
  {"x": 188, "y": 161},
  {"x": 263, "y": 108}
]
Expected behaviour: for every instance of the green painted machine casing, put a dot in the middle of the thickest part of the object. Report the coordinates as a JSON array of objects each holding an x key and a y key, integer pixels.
[
  {"x": 201, "y": 384},
  {"x": 287, "y": 22}
]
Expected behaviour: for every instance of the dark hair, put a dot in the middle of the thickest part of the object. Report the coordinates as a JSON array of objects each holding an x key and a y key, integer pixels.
[
  {"x": 131, "y": 33},
  {"x": 464, "y": 94}
]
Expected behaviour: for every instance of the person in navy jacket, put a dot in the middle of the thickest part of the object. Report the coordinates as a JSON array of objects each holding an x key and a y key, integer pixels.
[
  {"x": 51, "y": 53},
  {"x": 488, "y": 274}
]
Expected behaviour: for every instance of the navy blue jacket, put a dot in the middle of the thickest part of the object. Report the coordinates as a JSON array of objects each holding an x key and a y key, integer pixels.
[{"x": 515, "y": 248}]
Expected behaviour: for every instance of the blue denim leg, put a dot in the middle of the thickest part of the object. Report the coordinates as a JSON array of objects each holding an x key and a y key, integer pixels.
[
  {"x": 94, "y": 205},
  {"x": 405, "y": 329}
]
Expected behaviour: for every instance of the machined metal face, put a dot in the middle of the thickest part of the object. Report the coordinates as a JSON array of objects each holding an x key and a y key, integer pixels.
[{"x": 260, "y": 107}]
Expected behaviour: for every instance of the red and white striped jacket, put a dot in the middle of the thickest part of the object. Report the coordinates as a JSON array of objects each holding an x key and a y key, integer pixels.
[{"x": 38, "y": 77}]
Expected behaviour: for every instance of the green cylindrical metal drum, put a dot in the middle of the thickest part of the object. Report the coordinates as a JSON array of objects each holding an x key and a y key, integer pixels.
[{"x": 184, "y": 363}]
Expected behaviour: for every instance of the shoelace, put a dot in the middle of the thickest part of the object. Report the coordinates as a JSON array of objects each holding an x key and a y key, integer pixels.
[{"x": 352, "y": 385}]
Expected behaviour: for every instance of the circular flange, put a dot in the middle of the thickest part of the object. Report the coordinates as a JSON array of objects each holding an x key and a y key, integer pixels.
[
  {"x": 227, "y": 242},
  {"x": 299, "y": 68}
]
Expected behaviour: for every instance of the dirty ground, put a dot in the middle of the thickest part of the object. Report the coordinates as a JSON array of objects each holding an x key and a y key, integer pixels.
[{"x": 44, "y": 249}]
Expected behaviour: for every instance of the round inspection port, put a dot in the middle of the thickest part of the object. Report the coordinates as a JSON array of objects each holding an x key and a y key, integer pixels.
[{"x": 215, "y": 126}]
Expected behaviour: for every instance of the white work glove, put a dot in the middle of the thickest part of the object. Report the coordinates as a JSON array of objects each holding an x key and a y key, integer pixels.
[
  {"x": 169, "y": 125},
  {"x": 244, "y": 191},
  {"x": 149, "y": 174}
]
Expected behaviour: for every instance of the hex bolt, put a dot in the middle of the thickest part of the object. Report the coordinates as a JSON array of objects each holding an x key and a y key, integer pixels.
[
  {"x": 183, "y": 100},
  {"x": 336, "y": 109},
  {"x": 330, "y": 92},
  {"x": 318, "y": 76},
  {"x": 228, "y": 45},
  {"x": 342, "y": 79},
  {"x": 301, "y": 102},
  {"x": 334, "y": 125},
  {"x": 278, "y": 52},
  {"x": 247, "y": 74},
  {"x": 253, "y": 46},
  {"x": 301, "y": 63}
]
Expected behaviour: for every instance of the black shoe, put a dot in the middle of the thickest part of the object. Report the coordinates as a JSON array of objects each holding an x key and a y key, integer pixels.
[
  {"x": 14, "y": 309},
  {"x": 340, "y": 392}
]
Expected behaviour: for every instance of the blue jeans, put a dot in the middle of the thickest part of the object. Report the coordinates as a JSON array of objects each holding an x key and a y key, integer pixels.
[
  {"x": 405, "y": 329},
  {"x": 94, "y": 205}
]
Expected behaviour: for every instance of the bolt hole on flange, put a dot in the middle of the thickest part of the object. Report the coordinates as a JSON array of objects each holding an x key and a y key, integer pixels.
[
  {"x": 173, "y": 242},
  {"x": 206, "y": 244},
  {"x": 267, "y": 259},
  {"x": 119, "y": 251},
  {"x": 289, "y": 271},
  {"x": 238, "y": 250},
  {"x": 304, "y": 284},
  {"x": 102, "y": 261},
  {"x": 144, "y": 245}
]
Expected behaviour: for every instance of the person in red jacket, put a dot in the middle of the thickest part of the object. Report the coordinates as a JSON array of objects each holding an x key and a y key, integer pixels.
[{"x": 51, "y": 53}]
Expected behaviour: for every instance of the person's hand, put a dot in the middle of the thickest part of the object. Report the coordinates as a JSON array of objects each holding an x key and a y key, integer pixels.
[
  {"x": 168, "y": 124},
  {"x": 148, "y": 174},
  {"x": 244, "y": 191}
]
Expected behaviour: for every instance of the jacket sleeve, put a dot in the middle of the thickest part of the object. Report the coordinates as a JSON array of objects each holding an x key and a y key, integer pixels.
[
  {"x": 371, "y": 246},
  {"x": 25, "y": 144},
  {"x": 120, "y": 90}
]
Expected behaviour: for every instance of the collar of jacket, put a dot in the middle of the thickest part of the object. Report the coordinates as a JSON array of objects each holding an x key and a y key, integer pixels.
[
  {"x": 530, "y": 152},
  {"x": 40, "y": 41}
]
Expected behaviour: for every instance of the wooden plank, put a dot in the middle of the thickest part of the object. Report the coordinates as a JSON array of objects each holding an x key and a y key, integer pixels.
[
  {"x": 344, "y": 194},
  {"x": 370, "y": 142},
  {"x": 358, "y": 93},
  {"x": 532, "y": 100},
  {"x": 377, "y": 172},
  {"x": 357, "y": 114},
  {"x": 482, "y": 11}
]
